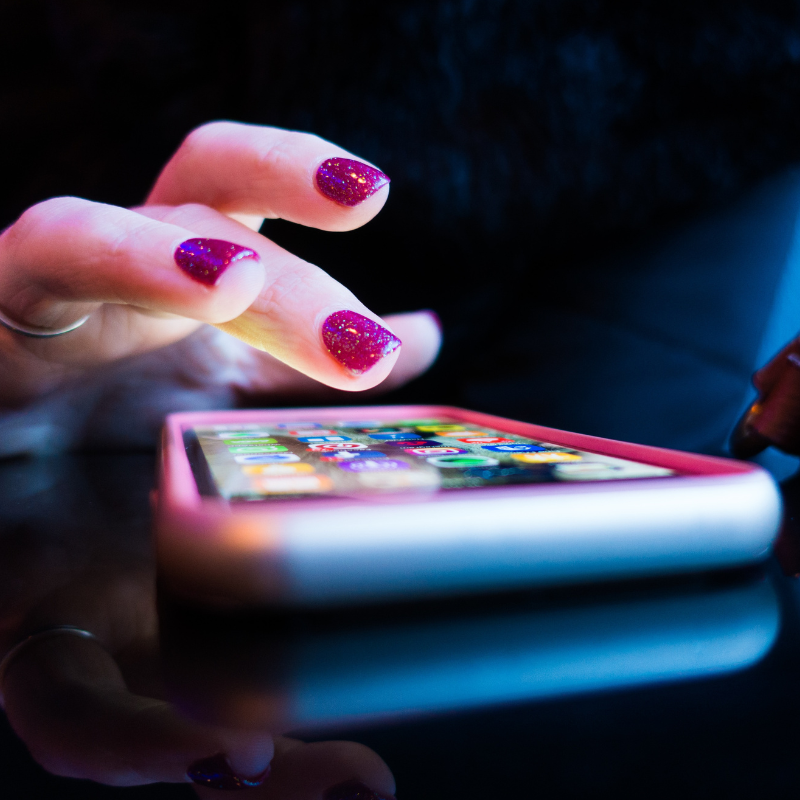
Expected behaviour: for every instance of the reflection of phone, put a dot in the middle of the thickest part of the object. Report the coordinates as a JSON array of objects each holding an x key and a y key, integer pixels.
[
  {"x": 343, "y": 505},
  {"x": 310, "y": 671}
]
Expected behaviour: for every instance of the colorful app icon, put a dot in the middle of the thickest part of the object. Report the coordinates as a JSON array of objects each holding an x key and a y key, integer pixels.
[
  {"x": 297, "y": 484},
  {"x": 243, "y": 434},
  {"x": 323, "y": 439},
  {"x": 414, "y": 443},
  {"x": 514, "y": 448},
  {"x": 416, "y": 423},
  {"x": 460, "y": 434},
  {"x": 462, "y": 462},
  {"x": 329, "y": 447},
  {"x": 309, "y": 432},
  {"x": 373, "y": 465},
  {"x": 386, "y": 437},
  {"x": 431, "y": 451},
  {"x": 545, "y": 457},
  {"x": 261, "y": 448},
  {"x": 409, "y": 479},
  {"x": 250, "y": 441},
  {"x": 485, "y": 440},
  {"x": 266, "y": 458},
  {"x": 382, "y": 430},
  {"x": 297, "y": 425},
  {"x": 433, "y": 427},
  {"x": 349, "y": 455},
  {"x": 278, "y": 469}
]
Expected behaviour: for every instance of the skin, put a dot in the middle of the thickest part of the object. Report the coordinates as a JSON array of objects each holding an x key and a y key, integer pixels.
[{"x": 67, "y": 257}]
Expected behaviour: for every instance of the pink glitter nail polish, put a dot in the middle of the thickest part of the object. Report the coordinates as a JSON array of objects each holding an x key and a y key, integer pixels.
[
  {"x": 349, "y": 182},
  {"x": 206, "y": 259},
  {"x": 357, "y": 342}
]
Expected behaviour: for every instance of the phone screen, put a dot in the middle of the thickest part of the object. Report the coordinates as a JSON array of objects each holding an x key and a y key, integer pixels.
[{"x": 322, "y": 458}]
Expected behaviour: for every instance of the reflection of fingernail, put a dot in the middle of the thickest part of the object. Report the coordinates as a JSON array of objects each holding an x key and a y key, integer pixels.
[
  {"x": 357, "y": 342},
  {"x": 349, "y": 182},
  {"x": 206, "y": 259},
  {"x": 216, "y": 773},
  {"x": 354, "y": 790}
]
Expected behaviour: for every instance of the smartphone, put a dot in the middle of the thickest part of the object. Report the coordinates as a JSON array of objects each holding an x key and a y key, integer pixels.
[{"x": 331, "y": 506}]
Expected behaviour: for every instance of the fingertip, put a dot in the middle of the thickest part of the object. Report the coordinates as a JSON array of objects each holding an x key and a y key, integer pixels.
[{"x": 353, "y": 190}]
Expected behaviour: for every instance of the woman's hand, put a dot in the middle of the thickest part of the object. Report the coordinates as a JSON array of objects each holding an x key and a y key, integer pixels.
[{"x": 150, "y": 277}]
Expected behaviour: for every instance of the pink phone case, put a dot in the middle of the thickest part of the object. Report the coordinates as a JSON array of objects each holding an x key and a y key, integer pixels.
[{"x": 716, "y": 513}]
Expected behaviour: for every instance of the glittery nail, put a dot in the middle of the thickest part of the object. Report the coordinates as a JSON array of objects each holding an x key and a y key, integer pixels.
[
  {"x": 216, "y": 773},
  {"x": 354, "y": 790},
  {"x": 357, "y": 342},
  {"x": 206, "y": 259},
  {"x": 349, "y": 182}
]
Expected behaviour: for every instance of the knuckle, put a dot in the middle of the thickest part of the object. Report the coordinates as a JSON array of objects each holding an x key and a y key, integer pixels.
[{"x": 201, "y": 137}]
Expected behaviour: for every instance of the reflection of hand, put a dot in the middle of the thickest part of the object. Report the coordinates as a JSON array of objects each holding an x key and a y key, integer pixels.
[
  {"x": 92, "y": 709},
  {"x": 68, "y": 257}
]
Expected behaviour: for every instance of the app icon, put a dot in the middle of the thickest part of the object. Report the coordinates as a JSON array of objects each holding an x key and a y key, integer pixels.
[
  {"x": 278, "y": 469},
  {"x": 513, "y": 448},
  {"x": 297, "y": 484},
  {"x": 485, "y": 440},
  {"x": 262, "y": 448},
  {"x": 349, "y": 455},
  {"x": 309, "y": 432},
  {"x": 417, "y": 423},
  {"x": 297, "y": 425},
  {"x": 462, "y": 462},
  {"x": 438, "y": 451},
  {"x": 433, "y": 428},
  {"x": 414, "y": 443},
  {"x": 460, "y": 434},
  {"x": 323, "y": 439},
  {"x": 330, "y": 447},
  {"x": 243, "y": 434},
  {"x": 383, "y": 430},
  {"x": 546, "y": 457},
  {"x": 250, "y": 441},
  {"x": 373, "y": 465},
  {"x": 265, "y": 458},
  {"x": 402, "y": 435}
]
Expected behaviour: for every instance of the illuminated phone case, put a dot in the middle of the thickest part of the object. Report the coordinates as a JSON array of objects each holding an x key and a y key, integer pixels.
[{"x": 310, "y": 507}]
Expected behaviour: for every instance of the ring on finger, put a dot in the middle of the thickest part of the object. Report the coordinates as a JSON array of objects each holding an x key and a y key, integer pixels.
[
  {"x": 39, "y": 333},
  {"x": 55, "y": 630}
]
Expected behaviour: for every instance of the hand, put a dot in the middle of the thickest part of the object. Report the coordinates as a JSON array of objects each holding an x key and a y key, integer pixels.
[
  {"x": 96, "y": 709},
  {"x": 135, "y": 272}
]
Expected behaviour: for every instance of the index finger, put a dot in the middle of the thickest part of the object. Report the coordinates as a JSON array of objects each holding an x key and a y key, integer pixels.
[{"x": 256, "y": 171}]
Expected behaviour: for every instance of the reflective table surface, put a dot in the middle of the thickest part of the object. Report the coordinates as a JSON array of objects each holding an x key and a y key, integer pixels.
[{"x": 687, "y": 686}]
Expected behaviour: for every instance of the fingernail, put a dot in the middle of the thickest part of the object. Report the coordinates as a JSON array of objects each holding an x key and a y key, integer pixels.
[
  {"x": 216, "y": 773},
  {"x": 206, "y": 259},
  {"x": 349, "y": 182},
  {"x": 357, "y": 342},
  {"x": 354, "y": 790}
]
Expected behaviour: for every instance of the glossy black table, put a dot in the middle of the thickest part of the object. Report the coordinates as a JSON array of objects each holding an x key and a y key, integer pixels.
[{"x": 684, "y": 687}]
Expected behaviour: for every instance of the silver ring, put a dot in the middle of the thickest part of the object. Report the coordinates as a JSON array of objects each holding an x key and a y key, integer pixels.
[
  {"x": 56, "y": 630},
  {"x": 39, "y": 333}
]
